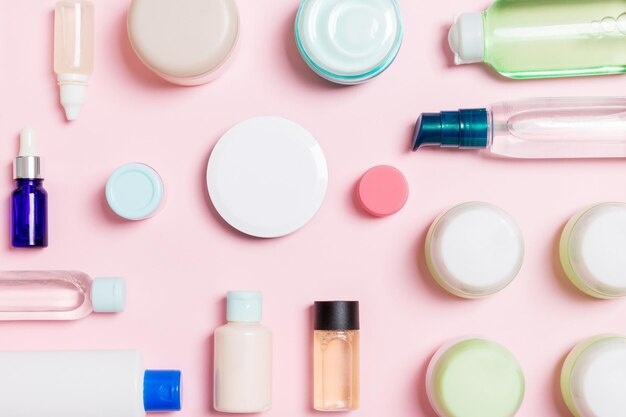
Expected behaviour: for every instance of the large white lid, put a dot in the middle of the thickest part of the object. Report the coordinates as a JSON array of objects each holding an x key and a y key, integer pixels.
[
  {"x": 597, "y": 249},
  {"x": 598, "y": 379},
  {"x": 475, "y": 249},
  {"x": 267, "y": 176}
]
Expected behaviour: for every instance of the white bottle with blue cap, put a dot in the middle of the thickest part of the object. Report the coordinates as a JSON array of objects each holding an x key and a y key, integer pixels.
[
  {"x": 243, "y": 357},
  {"x": 110, "y": 383}
]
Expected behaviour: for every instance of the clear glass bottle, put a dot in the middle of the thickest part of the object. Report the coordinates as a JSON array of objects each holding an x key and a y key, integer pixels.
[
  {"x": 73, "y": 52},
  {"x": 243, "y": 357},
  {"x": 544, "y": 38},
  {"x": 532, "y": 128},
  {"x": 336, "y": 356},
  {"x": 58, "y": 295}
]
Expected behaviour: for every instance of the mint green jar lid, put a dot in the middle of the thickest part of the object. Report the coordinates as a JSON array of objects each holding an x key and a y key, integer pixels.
[
  {"x": 349, "y": 41},
  {"x": 593, "y": 378},
  {"x": 135, "y": 191},
  {"x": 593, "y": 248},
  {"x": 475, "y": 377}
]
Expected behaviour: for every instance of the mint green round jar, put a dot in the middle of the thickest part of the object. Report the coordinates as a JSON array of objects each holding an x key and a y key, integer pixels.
[{"x": 475, "y": 377}]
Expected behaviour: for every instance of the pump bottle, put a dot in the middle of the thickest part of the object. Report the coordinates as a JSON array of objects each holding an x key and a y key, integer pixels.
[{"x": 532, "y": 128}]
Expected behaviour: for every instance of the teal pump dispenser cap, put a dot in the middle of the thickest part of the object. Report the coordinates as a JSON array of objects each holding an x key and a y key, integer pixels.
[
  {"x": 244, "y": 306},
  {"x": 465, "y": 129}
]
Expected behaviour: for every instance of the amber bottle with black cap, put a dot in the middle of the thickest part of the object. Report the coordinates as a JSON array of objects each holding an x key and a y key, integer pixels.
[{"x": 336, "y": 356}]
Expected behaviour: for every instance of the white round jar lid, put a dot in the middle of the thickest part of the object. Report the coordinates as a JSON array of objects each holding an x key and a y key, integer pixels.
[
  {"x": 594, "y": 378},
  {"x": 183, "y": 41},
  {"x": 474, "y": 249},
  {"x": 593, "y": 250},
  {"x": 349, "y": 41},
  {"x": 267, "y": 177}
]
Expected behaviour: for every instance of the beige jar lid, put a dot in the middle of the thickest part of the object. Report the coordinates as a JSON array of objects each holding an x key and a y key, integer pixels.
[{"x": 184, "y": 41}]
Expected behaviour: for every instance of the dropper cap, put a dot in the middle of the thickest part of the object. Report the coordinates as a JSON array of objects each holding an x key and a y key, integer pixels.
[
  {"x": 162, "y": 391},
  {"x": 466, "y": 129},
  {"x": 73, "y": 91},
  {"x": 27, "y": 164}
]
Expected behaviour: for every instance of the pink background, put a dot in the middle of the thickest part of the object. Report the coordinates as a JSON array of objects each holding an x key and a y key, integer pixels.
[{"x": 180, "y": 264}]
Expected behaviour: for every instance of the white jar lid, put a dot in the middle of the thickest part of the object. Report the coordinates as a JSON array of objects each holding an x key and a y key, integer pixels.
[
  {"x": 474, "y": 249},
  {"x": 594, "y": 378},
  {"x": 184, "y": 41},
  {"x": 267, "y": 177},
  {"x": 593, "y": 250},
  {"x": 349, "y": 41}
]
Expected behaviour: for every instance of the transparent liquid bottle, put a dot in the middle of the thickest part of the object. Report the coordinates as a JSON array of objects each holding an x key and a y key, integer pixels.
[
  {"x": 57, "y": 295},
  {"x": 73, "y": 52},
  {"x": 544, "y": 38},
  {"x": 336, "y": 356},
  {"x": 532, "y": 128}
]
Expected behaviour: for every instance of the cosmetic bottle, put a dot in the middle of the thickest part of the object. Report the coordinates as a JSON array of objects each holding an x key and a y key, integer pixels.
[
  {"x": 29, "y": 201},
  {"x": 336, "y": 356},
  {"x": 243, "y": 357},
  {"x": 532, "y": 128},
  {"x": 73, "y": 52},
  {"x": 110, "y": 383},
  {"x": 544, "y": 38},
  {"x": 593, "y": 377},
  {"x": 58, "y": 295}
]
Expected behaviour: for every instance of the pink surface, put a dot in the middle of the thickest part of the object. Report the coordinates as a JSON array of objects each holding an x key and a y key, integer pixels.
[
  {"x": 180, "y": 263},
  {"x": 382, "y": 190}
]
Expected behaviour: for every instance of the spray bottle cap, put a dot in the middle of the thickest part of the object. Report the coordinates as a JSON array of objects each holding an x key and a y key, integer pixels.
[
  {"x": 108, "y": 295},
  {"x": 467, "y": 38},
  {"x": 27, "y": 164},
  {"x": 73, "y": 89},
  {"x": 466, "y": 129},
  {"x": 162, "y": 391}
]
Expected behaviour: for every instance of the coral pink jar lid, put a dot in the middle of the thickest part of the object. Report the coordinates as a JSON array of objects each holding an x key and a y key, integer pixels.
[{"x": 184, "y": 41}]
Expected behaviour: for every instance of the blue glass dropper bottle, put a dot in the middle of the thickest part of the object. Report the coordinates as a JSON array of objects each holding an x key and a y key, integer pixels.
[{"x": 29, "y": 202}]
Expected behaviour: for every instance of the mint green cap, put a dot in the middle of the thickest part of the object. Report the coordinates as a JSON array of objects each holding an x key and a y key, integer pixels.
[
  {"x": 135, "y": 191},
  {"x": 244, "y": 306},
  {"x": 475, "y": 377},
  {"x": 108, "y": 295}
]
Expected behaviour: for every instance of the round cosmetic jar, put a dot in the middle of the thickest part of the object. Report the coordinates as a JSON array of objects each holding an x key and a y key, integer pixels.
[
  {"x": 474, "y": 249},
  {"x": 593, "y": 250},
  {"x": 474, "y": 377},
  {"x": 135, "y": 192},
  {"x": 349, "y": 41},
  {"x": 593, "y": 379},
  {"x": 267, "y": 176},
  {"x": 186, "y": 42}
]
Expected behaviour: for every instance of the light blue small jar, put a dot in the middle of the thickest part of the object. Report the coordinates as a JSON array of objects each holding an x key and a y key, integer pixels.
[
  {"x": 135, "y": 192},
  {"x": 349, "y": 41}
]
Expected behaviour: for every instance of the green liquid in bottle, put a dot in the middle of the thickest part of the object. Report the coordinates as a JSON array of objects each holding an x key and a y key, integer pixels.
[{"x": 555, "y": 38}]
